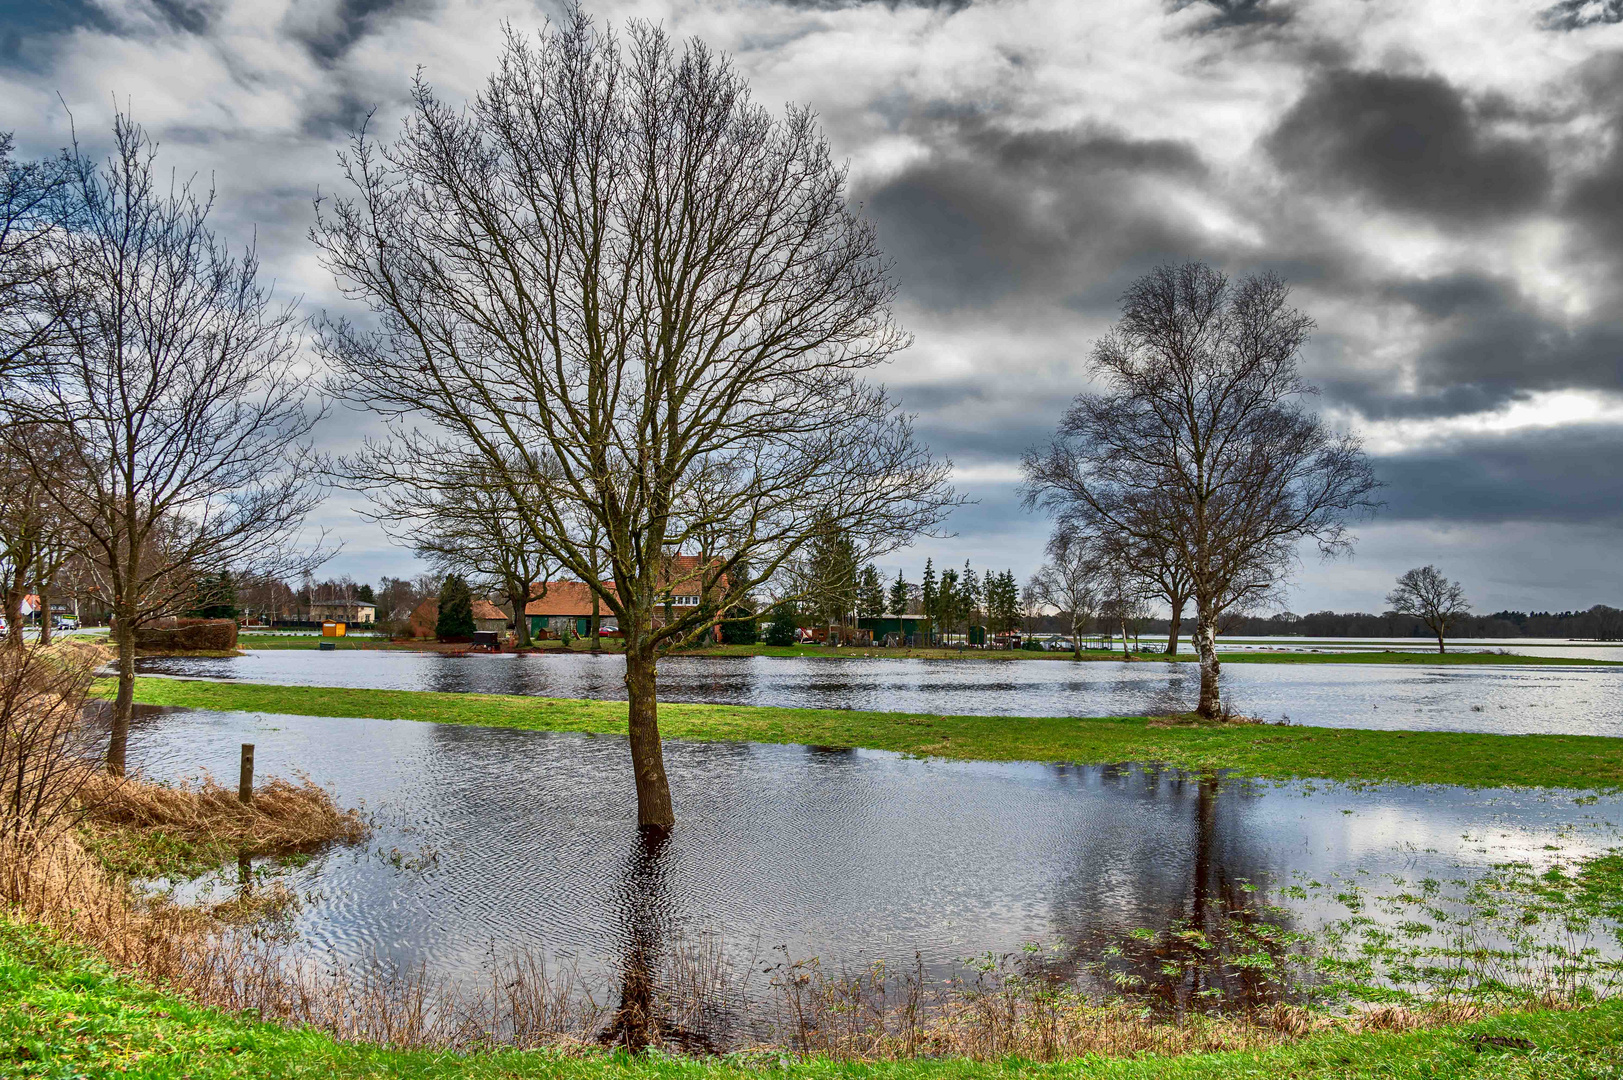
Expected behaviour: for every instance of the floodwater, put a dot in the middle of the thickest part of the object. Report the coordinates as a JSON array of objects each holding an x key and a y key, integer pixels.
[
  {"x": 491, "y": 841},
  {"x": 1488, "y": 698},
  {"x": 1554, "y": 648}
]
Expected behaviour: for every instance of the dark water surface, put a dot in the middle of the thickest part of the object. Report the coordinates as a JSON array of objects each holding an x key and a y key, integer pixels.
[
  {"x": 491, "y": 841},
  {"x": 1510, "y": 700}
]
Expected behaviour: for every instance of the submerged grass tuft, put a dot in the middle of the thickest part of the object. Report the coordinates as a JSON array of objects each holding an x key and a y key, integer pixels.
[{"x": 143, "y": 829}]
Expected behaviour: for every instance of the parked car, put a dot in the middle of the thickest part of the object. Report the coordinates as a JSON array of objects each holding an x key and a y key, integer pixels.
[{"x": 65, "y": 622}]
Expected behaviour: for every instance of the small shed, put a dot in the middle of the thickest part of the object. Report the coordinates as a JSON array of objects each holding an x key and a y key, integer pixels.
[
  {"x": 883, "y": 626},
  {"x": 487, "y": 616}
]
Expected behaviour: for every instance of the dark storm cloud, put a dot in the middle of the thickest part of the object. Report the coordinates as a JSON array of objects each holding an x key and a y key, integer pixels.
[
  {"x": 1572, "y": 474},
  {"x": 991, "y": 213},
  {"x": 991, "y": 419},
  {"x": 1487, "y": 345},
  {"x": 1226, "y": 13},
  {"x": 1410, "y": 143},
  {"x": 838, "y": 5},
  {"x": 1577, "y": 14},
  {"x": 1595, "y": 200},
  {"x": 30, "y": 18},
  {"x": 190, "y": 16},
  {"x": 352, "y": 20}
]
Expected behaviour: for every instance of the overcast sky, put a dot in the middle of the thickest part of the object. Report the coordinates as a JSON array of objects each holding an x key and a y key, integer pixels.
[{"x": 1441, "y": 182}]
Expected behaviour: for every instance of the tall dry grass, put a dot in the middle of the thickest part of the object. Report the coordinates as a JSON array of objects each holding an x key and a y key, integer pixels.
[{"x": 284, "y": 817}]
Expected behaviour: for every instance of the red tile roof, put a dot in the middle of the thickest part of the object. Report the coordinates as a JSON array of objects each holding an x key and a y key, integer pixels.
[
  {"x": 564, "y": 598},
  {"x": 575, "y": 597},
  {"x": 484, "y": 609}
]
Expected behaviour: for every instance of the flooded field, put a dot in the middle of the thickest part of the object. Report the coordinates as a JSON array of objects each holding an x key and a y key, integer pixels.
[
  {"x": 490, "y": 841},
  {"x": 1507, "y": 700}
]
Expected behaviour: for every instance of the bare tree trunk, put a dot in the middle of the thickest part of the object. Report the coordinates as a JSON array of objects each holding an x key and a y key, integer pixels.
[
  {"x": 597, "y": 621},
  {"x": 1441, "y": 646},
  {"x": 518, "y": 594},
  {"x": 44, "y": 615},
  {"x": 124, "y": 703},
  {"x": 1076, "y": 636},
  {"x": 647, "y": 757},
  {"x": 1206, "y": 642},
  {"x": 1173, "y": 629},
  {"x": 14, "y": 607}
]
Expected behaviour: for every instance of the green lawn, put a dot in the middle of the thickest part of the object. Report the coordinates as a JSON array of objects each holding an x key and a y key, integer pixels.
[
  {"x": 311, "y": 641},
  {"x": 64, "y": 1014},
  {"x": 1566, "y": 761}
]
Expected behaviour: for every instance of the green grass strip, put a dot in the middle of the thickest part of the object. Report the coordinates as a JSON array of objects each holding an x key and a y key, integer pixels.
[
  {"x": 1267, "y": 751},
  {"x": 64, "y": 1013}
]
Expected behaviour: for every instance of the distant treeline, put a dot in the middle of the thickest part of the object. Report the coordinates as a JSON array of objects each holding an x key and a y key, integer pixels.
[{"x": 1601, "y": 622}]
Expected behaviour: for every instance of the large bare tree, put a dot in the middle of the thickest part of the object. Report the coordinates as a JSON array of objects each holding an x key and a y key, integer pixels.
[
  {"x": 1199, "y": 442},
  {"x": 1432, "y": 598},
  {"x": 644, "y": 300},
  {"x": 177, "y": 395}
]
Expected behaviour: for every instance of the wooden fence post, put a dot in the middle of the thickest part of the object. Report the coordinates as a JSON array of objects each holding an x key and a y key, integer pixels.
[{"x": 245, "y": 779}]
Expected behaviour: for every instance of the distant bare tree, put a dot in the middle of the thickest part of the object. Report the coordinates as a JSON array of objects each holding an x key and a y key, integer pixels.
[
  {"x": 1159, "y": 573},
  {"x": 1200, "y": 444},
  {"x": 1430, "y": 597},
  {"x": 34, "y": 207},
  {"x": 1124, "y": 592},
  {"x": 177, "y": 398},
  {"x": 1031, "y": 605},
  {"x": 465, "y": 527},
  {"x": 614, "y": 262},
  {"x": 1605, "y": 622},
  {"x": 1068, "y": 582}
]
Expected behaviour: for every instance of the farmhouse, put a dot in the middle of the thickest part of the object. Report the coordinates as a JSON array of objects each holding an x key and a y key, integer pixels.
[
  {"x": 352, "y": 612},
  {"x": 560, "y": 604}
]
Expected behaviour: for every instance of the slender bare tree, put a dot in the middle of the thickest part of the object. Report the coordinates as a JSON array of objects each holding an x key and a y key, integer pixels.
[
  {"x": 615, "y": 262},
  {"x": 469, "y": 529},
  {"x": 35, "y": 205},
  {"x": 177, "y": 396},
  {"x": 1124, "y": 592},
  {"x": 1068, "y": 582},
  {"x": 1433, "y": 599},
  {"x": 1159, "y": 574},
  {"x": 1200, "y": 443}
]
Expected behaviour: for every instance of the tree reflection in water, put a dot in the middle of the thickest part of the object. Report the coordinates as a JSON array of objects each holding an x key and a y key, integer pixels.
[
  {"x": 651, "y": 1011},
  {"x": 1206, "y": 938}
]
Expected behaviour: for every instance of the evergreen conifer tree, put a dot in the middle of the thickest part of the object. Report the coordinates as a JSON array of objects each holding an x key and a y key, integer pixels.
[
  {"x": 455, "y": 622},
  {"x": 783, "y": 618},
  {"x": 898, "y": 595}
]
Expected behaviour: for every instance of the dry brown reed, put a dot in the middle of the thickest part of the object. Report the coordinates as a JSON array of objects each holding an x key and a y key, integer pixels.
[
  {"x": 283, "y": 817},
  {"x": 44, "y": 749}
]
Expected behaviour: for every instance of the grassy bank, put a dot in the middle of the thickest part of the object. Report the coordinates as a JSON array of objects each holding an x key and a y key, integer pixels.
[
  {"x": 63, "y": 1013},
  {"x": 311, "y": 641},
  {"x": 1572, "y": 761}
]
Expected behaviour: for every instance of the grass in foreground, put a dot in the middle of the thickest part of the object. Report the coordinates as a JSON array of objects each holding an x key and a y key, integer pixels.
[
  {"x": 63, "y": 1013},
  {"x": 1267, "y": 751}
]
